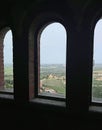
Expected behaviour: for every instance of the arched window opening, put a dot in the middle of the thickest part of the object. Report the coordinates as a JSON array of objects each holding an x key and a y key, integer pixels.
[
  {"x": 6, "y": 61},
  {"x": 52, "y": 61},
  {"x": 97, "y": 64}
]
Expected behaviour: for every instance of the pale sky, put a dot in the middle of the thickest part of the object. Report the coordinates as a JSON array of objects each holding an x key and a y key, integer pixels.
[
  {"x": 98, "y": 42},
  {"x": 53, "y": 45},
  {"x": 8, "y": 48}
]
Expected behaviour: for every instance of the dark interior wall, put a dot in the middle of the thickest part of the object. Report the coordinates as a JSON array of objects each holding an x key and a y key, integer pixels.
[{"x": 80, "y": 17}]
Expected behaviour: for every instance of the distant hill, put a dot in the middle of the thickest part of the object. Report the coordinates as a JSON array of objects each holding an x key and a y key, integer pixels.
[
  {"x": 97, "y": 67},
  {"x": 8, "y": 65}
]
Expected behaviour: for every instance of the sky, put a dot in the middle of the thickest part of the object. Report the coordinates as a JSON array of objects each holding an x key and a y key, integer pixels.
[
  {"x": 97, "y": 55},
  {"x": 53, "y": 45},
  {"x": 8, "y": 48}
]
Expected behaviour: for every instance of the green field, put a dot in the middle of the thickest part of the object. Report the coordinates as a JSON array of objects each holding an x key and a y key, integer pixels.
[
  {"x": 57, "y": 70},
  {"x": 57, "y": 82},
  {"x": 54, "y": 84},
  {"x": 8, "y": 76},
  {"x": 97, "y": 82},
  {"x": 53, "y": 77}
]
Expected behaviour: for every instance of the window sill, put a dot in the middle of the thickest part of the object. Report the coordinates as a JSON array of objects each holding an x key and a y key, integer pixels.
[
  {"x": 49, "y": 102},
  {"x": 96, "y": 109},
  {"x": 6, "y": 96}
]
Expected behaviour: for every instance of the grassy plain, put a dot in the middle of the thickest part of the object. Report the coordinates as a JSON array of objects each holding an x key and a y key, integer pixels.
[
  {"x": 8, "y": 76},
  {"x": 97, "y": 81},
  {"x": 53, "y": 77}
]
